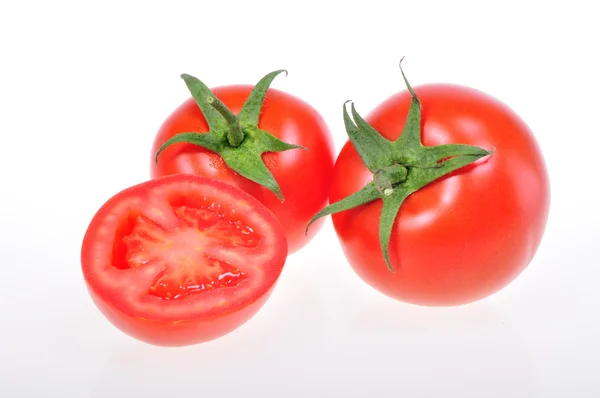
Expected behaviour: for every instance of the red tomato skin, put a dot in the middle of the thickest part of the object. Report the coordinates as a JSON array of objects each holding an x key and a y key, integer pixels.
[
  {"x": 158, "y": 328},
  {"x": 304, "y": 176},
  {"x": 466, "y": 235}
]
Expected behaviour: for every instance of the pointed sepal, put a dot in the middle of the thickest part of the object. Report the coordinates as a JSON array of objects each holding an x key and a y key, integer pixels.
[
  {"x": 247, "y": 160},
  {"x": 373, "y": 148},
  {"x": 367, "y": 194},
  {"x": 422, "y": 176},
  {"x": 440, "y": 153},
  {"x": 391, "y": 205},
  {"x": 248, "y": 163},
  {"x": 266, "y": 142},
  {"x": 210, "y": 141},
  {"x": 250, "y": 113},
  {"x": 410, "y": 138},
  {"x": 200, "y": 92}
]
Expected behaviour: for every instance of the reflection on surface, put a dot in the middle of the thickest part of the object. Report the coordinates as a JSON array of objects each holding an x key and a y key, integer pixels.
[
  {"x": 391, "y": 350},
  {"x": 420, "y": 217}
]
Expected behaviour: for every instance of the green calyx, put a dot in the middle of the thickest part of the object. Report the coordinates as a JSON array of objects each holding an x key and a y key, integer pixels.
[
  {"x": 399, "y": 167},
  {"x": 236, "y": 138}
]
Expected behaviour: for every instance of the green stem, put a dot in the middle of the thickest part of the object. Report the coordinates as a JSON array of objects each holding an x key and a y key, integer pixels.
[
  {"x": 235, "y": 135},
  {"x": 387, "y": 178}
]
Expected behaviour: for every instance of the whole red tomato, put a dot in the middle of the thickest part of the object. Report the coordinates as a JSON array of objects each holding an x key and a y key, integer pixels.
[
  {"x": 463, "y": 236},
  {"x": 303, "y": 175}
]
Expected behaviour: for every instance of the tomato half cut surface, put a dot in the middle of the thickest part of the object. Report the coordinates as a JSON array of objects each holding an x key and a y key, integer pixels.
[{"x": 182, "y": 259}]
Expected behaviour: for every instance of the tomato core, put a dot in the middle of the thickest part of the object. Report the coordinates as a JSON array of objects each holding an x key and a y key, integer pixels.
[{"x": 187, "y": 268}]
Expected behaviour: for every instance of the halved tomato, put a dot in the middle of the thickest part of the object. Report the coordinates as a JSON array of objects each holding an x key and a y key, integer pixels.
[{"x": 182, "y": 259}]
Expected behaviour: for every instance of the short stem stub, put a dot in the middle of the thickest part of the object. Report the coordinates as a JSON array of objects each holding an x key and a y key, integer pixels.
[
  {"x": 235, "y": 135},
  {"x": 387, "y": 178}
]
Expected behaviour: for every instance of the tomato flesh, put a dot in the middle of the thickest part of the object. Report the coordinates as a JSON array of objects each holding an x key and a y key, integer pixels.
[
  {"x": 188, "y": 268},
  {"x": 182, "y": 250}
]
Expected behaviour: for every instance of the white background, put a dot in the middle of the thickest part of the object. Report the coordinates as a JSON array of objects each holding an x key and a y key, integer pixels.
[{"x": 83, "y": 88}]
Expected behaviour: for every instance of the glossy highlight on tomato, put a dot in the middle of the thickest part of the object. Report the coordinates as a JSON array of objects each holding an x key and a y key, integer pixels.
[
  {"x": 464, "y": 236},
  {"x": 182, "y": 259},
  {"x": 304, "y": 175}
]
